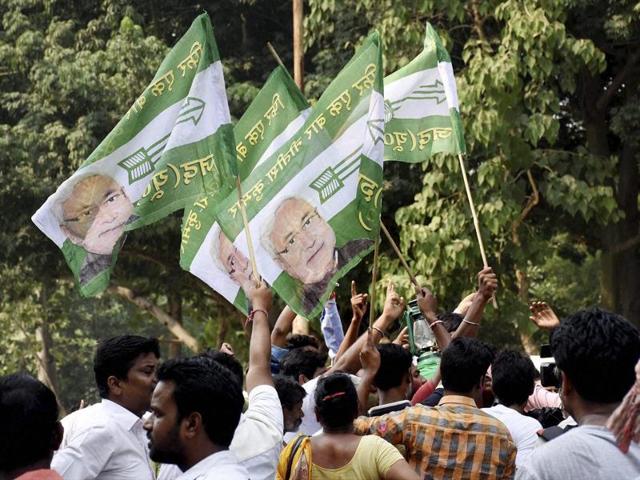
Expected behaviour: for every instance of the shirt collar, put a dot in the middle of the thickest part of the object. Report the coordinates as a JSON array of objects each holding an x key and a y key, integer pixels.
[
  {"x": 123, "y": 417},
  {"x": 458, "y": 399},
  {"x": 208, "y": 464}
]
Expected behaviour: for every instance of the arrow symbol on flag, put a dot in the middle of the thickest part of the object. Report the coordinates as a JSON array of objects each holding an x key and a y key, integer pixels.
[
  {"x": 142, "y": 162},
  {"x": 192, "y": 109},
  {"x": 434, "y": 91},
  {"x": 376, "y": 129},
  {"x": 332, "y": 178}
]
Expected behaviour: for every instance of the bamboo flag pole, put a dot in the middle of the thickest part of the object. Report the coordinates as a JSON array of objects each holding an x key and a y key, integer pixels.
[
  {"x": 399, "y": 254},
  {"x": 374, "y": 279},
  {"x": 476, "y": 224},
  {"x": 245, "y": 221},
  {"x": 298, "y": 43},
  {"x": 275, "y": 55}
]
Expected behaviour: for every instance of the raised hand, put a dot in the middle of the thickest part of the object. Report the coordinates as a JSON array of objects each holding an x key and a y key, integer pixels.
[
  {"x": 260, "y": 296},
  {"x": 370, "y": 356},
  {"x": 543, "y": 316},
  {"x": 427, "y": 301},
  {"x": 487, "y": 283},
  {"x": 393, "y": 304},
  {"x": 358, "y": 302},
  {"x": 403, "y": 338}
]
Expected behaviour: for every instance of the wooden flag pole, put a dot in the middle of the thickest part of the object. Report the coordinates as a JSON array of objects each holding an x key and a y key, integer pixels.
[
  {"x": 400, "y": 256},
  {"x": 476, "y": 224},
  {"x": 245, "y": 221},
  {"x": 275, "y": 55},
  {"x": 298, "y": 43},
  {"x": 374, "y": 279}
]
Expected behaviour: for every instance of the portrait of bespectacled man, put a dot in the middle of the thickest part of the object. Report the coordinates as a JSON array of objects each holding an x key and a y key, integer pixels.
[
  {"x": 93, "y": 213},
  {"x": 303, "y": 243},
  {"x": 232, "y": 261}
]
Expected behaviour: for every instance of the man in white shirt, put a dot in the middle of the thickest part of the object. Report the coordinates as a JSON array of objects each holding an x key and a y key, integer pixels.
[
  {"x": 513, "y": 379},
  {"x": 595, "y": 352},
  {"x": 196, "y": 408},
  {"x": 106, "y": 440},
  {"x": 258, "y": 439}
]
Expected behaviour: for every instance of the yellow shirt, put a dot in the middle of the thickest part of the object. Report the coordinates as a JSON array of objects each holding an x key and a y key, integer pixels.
[{"x": 372, "y": 460}]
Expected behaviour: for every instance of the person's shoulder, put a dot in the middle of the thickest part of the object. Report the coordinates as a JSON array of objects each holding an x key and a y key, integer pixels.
[{"x": 263, "y": 393}]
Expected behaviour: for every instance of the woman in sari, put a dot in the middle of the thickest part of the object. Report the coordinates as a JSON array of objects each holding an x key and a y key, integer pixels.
[{"x": 338, "y": 453}]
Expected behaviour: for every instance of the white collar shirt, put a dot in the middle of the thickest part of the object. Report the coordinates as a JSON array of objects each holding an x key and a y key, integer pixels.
[
  {"x": 523, "y": 430},
  {"x": 104, "y": 442},
  {"x": 218, "y": 466}
]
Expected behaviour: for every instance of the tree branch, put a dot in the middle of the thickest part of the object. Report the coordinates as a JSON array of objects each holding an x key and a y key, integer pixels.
[
  {"x": 163, "y": 317},
  {"x": 534, "y": 199},
  {"x": 626, "y": 245},
  {"x": 604, "y": 101},
  {"x": 477, "y": 21}
]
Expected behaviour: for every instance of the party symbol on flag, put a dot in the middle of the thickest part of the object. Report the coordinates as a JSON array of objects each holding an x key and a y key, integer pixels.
[
  {"x": 140, "y": 164},
  {"x": 332, "y": 178},
  {"x": 434, "y": 91}
]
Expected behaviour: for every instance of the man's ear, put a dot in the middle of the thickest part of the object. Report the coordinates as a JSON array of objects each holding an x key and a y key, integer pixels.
[
  {"x": 191, "y": 425},
  {"x": 56, "y": 437},
  {"x": 302, "y": 379},
  {"x": 114, "y": 384},
  {"x": 567, "y": 385},
  {"x": 75, "y": 239}
]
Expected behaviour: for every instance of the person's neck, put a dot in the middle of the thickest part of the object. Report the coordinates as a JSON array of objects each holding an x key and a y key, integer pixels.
[
  {"x": 197, "y": 453},
  {"x": 588, "y": 413},
  {"x": 390, "y": 396},
  {"x": 338, "y": 431},
  {"x": 120, "y": 402},
  {"x": 470, "y": 395},
  {"x": 45, "y": 463},
  {"x": 517, "y": 407}
]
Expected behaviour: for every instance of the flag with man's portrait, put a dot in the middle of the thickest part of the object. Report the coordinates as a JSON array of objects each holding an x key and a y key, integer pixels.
[
  {"x": 422, "y": 116},
  {"x": 314, "y": 204},
  {"x": 274, "y": 116},
  {"x": 174, "y": 145}
]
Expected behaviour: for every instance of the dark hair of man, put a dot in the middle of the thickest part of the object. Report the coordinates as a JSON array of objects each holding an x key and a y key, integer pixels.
[
  {"x": 298, "y": 341},
  {"x": 598, "y": 351},
  {"x": 228, "y": 361},
  {"x": 450, "y": 320},
  {"x": 463, "y": 364},
  {"x": 513, "y": 375},
  {"x": 336, "y": 401},
  {"x": 29, "y": 414},
  {"x": 116, "y": 355},
  {"x": 289, "y": 391},
  {"x": 204, "y": 386},
  {"x": 303, "y": 361},
  {"x": 395, "y": 363}
]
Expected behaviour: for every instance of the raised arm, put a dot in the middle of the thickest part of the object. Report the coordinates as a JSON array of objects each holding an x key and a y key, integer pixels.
[
  {"x": 283, "y": 326},
  {"x": 543, "y": 316},
  {"x": 370, "y": 360},
  {"x": 428, "y": 306},
  {"x": 259, "y": 372},
  {"x": 359, "y": 307},
  {"x": 393, "y": 308},
  {"x": 487, "y": 285}
]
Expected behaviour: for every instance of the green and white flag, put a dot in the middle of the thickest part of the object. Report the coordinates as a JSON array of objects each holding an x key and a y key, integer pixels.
[
  {"x": 274, "y": 116},
  {"x": 421, "y": 106},
  {"x": 314, "y": 205},
  {"x": 173, "y": 145}
]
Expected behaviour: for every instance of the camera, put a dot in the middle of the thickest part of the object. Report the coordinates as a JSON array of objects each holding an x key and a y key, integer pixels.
[{"x": 549, "y": 372}]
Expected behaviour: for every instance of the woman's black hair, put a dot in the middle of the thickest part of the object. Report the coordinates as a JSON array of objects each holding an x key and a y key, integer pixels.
[{"x": 336, "y": 401}]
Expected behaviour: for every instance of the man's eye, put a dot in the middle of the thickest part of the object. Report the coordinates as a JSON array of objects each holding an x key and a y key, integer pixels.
[
  {"x": 307, "y": 222},
  {"x": 113, "y": 198},
  {"x": 292, "y": 241},
  {"x": 286, "y": 250}
]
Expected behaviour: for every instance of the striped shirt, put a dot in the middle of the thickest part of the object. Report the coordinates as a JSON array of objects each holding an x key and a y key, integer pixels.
[{"x": 455, "y": 440}]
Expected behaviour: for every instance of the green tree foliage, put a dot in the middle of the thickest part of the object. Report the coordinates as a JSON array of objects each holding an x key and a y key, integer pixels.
[{"x": 548, "y": 92}]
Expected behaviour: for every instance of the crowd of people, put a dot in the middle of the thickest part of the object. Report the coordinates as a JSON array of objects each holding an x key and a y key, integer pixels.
[{"x": 346, "y": 405}]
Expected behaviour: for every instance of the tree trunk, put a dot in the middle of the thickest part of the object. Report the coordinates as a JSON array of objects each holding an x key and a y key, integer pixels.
[{"x": 175, "y": 310}]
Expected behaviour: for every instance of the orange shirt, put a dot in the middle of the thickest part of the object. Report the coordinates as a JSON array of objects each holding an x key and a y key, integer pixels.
[{"x": 455, "y": 440}]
